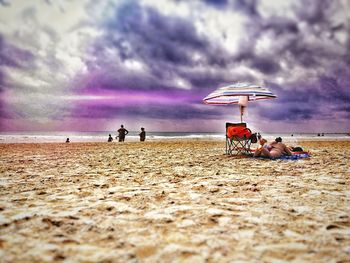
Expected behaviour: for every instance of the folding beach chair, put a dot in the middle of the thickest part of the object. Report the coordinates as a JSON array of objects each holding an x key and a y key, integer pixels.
[{"x": 236, "y": 145}]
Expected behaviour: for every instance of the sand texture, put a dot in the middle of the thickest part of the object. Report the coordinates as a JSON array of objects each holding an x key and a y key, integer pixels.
[{"x": 172, "y": 201}]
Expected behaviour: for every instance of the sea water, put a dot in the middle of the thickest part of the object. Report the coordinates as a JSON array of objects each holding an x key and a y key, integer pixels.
[{"x": 102, "y": 136}]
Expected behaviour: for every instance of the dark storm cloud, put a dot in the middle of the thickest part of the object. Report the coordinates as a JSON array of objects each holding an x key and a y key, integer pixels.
[
  {"x": 323, "y": 99},
  {"x": 4, "y": 113},
  {"x": 344, "y": 109},
  {"x": 265, "y": 65},
  {"x": 292, "y": 42},
  {"x": 5, "y": 3},
  {"x": 166, "y": 44},
  {"x": 11, "y": 57},
  {"x": 333, "y": 90},
  {"x": 291, "y": 113},
  {"x": 308, "y": 41},
  {"x": 179, "y": 112},
  {"x": 248, "y": 7},
  {"x": 3, "y": 84},
  {"x": 292, "y": 104},
  {"x": 146, "y": 34},
  {"x": 182, "y": 112},
  {"x": 315, "y": 12},
  {"x": 280, "y": 26},
  {"x": 217, "y": 3}
]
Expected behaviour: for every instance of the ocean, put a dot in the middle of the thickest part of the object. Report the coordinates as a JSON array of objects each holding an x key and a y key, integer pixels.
[{"x": 102, "y": 136}]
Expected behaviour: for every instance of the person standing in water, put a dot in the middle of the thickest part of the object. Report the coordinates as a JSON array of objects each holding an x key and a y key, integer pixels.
[
  {"x": 142, "y": 135},
  {"x": 110, "y": 139},
  {"x": 122, "y": 132}
]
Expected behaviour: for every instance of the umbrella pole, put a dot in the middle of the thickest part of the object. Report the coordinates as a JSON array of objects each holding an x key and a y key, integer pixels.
[{"x": 241, "y": 109}]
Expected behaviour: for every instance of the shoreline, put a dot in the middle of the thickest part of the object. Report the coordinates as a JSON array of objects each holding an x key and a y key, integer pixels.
[
  {"x": 60, "y": 137},
  {"x": 136, "y": 140}
]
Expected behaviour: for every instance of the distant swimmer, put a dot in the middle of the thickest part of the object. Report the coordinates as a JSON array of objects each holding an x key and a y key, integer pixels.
[
  {"x": 142, "y": 135},
  {"x": 122, "y": 132},
  {"x": 110, "y": 139},
  {"x": 67, "y": 141}
]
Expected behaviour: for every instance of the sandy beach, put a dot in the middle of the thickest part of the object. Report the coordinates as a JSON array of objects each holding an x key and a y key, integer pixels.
[{"x": 172, "y": 201}]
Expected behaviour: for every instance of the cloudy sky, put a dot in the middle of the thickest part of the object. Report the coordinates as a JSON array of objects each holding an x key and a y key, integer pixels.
[{"x": 87, "y": 65}]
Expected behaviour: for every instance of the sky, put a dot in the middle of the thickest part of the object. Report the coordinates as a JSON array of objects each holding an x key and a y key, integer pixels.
[{"x": 86, "y": 65}]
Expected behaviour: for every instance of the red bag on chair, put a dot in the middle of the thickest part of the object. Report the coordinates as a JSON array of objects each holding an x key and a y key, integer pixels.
[{"x": 239, "y": 131}]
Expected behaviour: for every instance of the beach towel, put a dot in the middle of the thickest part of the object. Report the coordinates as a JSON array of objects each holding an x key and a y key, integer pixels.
[{"x": 294, "y": 156}]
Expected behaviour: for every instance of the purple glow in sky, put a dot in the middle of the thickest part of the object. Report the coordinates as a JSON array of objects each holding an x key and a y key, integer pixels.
[{"x": 93, "y": 65}]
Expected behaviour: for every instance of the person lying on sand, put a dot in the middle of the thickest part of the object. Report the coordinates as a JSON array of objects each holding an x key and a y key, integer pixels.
[
  {"x": 275, "y": 150},
  {"x": 259, "y": 151}
]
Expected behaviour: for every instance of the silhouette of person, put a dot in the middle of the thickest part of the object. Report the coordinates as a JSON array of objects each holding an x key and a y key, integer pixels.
[
  {"x": 110, "y": 139},
  {"x": 142, "y": 135},
  {"x": 122, "y": 132},
  {"x": 67, "y": 141}
]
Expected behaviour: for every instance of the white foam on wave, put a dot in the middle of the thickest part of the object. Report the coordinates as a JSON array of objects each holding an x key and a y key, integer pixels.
[{"x": 60, "y": 137}]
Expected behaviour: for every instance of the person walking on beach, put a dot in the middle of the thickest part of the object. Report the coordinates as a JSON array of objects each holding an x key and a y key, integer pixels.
[
  {"x": 142, "y": 135},
  {"x": 122, "y": 132},
  {"x": 110, "y": 139}
]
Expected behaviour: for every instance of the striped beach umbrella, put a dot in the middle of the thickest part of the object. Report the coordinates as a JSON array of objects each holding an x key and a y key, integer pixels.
[{"x": 238, "y": 93}]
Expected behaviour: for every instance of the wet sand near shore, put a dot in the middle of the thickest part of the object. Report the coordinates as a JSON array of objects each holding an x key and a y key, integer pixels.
[{"x": 172, "y": 201}]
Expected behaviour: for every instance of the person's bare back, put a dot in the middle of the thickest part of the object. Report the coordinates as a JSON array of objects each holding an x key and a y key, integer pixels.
[{"x": 278, "y": 149}]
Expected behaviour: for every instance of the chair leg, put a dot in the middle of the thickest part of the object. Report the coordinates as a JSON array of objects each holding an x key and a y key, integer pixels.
[{"x": 237, "y": 147}]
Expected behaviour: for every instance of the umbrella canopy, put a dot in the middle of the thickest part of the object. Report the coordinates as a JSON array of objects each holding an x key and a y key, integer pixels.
[
  {"x": 231, "y": 94},
  {"x": 238, "y": 93}
]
